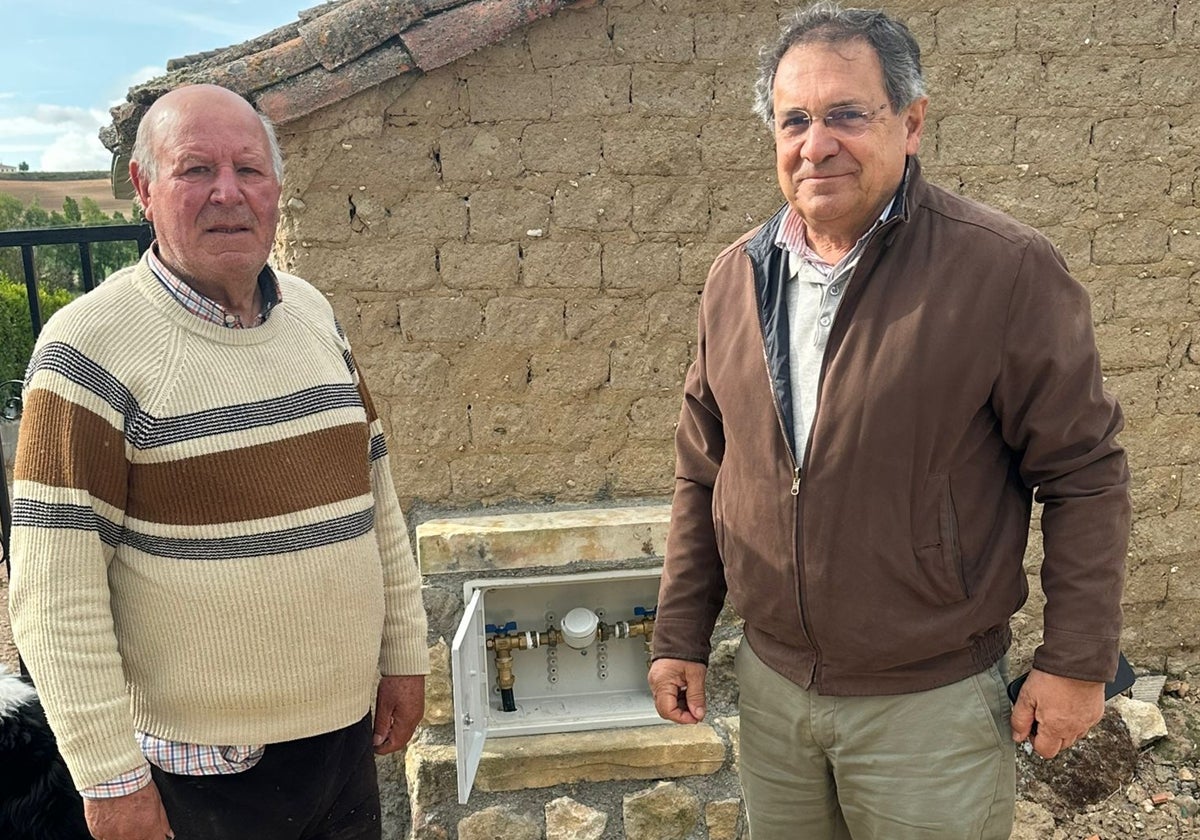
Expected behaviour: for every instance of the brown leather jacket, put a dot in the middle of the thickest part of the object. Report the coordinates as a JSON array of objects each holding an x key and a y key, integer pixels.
[{"x": 961, "y": 375}]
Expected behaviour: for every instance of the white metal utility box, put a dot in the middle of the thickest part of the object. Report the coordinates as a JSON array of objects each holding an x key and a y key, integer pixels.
[{"x": 555, "y": 653}]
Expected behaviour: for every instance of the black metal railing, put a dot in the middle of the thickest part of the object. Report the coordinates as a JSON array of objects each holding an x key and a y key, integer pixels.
[{"x": 27, "y": 241}]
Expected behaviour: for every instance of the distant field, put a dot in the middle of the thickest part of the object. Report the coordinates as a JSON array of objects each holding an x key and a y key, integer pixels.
[{"x": 50, "y": 194}]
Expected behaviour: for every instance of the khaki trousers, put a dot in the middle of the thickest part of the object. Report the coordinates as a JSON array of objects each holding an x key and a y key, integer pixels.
[{"x": 936, "y": 765}]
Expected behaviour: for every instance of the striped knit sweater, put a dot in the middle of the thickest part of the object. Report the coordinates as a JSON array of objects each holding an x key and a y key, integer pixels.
[{"x": 207, "y": 544}]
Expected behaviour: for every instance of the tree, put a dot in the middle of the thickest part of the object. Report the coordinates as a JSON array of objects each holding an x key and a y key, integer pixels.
[{"x": 23, "y": 166}]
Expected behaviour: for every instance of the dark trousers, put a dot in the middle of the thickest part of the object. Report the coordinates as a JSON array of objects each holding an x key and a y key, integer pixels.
[{"x": 319, "y": 788}]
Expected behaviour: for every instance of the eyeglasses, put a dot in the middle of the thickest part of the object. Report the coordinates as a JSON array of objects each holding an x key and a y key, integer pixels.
[{"x": 845, "y": 121}]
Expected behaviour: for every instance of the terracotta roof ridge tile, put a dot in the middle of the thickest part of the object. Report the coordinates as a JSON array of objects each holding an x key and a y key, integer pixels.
[
  {"x": 355, "y": 28},
  {"x": 448, "y": 36}
]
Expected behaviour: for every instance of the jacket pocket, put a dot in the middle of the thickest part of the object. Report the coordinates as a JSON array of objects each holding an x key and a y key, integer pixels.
[{"x": 935, "y": 543}]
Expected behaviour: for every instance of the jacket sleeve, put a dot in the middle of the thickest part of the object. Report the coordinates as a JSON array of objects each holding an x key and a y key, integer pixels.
[
  {"x": 403, "y": 650},
  {"x": 1055, "y": 414},
  {"x": 68, "y": 508},
  {"x": 693, "y": 581}
]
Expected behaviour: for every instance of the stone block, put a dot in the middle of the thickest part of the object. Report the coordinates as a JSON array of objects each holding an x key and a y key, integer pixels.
[
  {"x": 1180, "y": 392},
  {"x": 646, "y": 265},
  {"x": 539, "y": 426},
  {"x": 642, "y": 469},
  {"x": 570, "y": 37},
  {"x": 671, "y": 206},
  {"x": 1122, "y": 24},
  {"x": 409, "y": 151},
  {"x": 433, "y": 424},
  {"x": 549, "y": 538},
  {"x": 632, "y": 149},
  {"x": 439, "y": 695},
  {"x": 1052, "y": 142},
  {"x": 732, "y": 728},
  {"x": 735, "y": 145},
  {"x": 1137, "y": 392},
  {"x": 1132, "y": 241},
  {"x": 524, "y": 319},
  {"x": 416, "y": 372},
  {"x": 497, "y": 95},
  {"x": 499, "y": 821},
  {"x": 1146, "y": 583},
  {"x": 567, "y": 819},
  {"x": 1132, "y": 186},
  {"x": 430, "y": 216},
  {"x": 1170, "y": 81},
  {"x": 1114, "y": 79},
  {"x": 431, "y": 773},
  {"x": 673, "y": 315},
  {"x": 593, "y": 203},
  {"x": 733, "y": 93},
  {"x": 479, "y": 266},
  {"x": 561, "y": 265},
  {"x": 419, "y": 477},
  {"x": 738, "y": 206},
  {"x": 393, "y": 266},
  {"x": 1149, "y": 295},
  {"x": 570, "y": 146},
  {"x": 972, "y": 139},
  {"x": 695, "y": 259},
  {"x": 515, "y": 477},
  {"x": 633, "y": 367},
  {"x": 668, "y": 91},
  {"x": 1162, "y": 537},
  {"x": 480, "y": 153},
  {"x": 645, "y": 752},
  {"x": 654, "y": 418},
  {"x": 1054, "y": 27},
  {"x": 489, "y": 368},
  {"x": 962, "y": 85},
  {"x": 440, "y": 319},
  {"x": 667, "y": 811},
  {"x": 1124, "y": 139},
  {"x": 650, "y": 35},
  {"x": 1162, "y": 441},
  {"x": 570, "y": 368},
  {"x": 1128, "y": 346},
  {"x": 508, "y": 214},
  {"x": 590, "y": 91},
  {"x": 1156, "y": 490},
  {"x": 972, "y": 28},
  {"x": 731, "y": 37},
  {"x": 723, "y": 818},
  {"x": 604, "y": 319}
]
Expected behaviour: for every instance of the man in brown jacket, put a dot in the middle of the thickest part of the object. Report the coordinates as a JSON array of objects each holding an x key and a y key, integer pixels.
[{"x": 886, "y": 376}]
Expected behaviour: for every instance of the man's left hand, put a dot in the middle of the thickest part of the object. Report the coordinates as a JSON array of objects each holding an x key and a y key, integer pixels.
[
  {"x": 399, "y": 706},
  {"x": 1064, "y": 708}
]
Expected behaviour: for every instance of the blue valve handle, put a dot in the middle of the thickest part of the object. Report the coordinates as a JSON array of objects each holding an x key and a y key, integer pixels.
[{"x": 506, "y": 628}]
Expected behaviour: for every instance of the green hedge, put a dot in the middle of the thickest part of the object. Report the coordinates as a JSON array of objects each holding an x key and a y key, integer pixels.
[{"x": 16, "y": 331}]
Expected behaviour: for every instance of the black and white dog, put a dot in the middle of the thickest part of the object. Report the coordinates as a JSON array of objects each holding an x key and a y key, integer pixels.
[{"x": 37, "y": 799}]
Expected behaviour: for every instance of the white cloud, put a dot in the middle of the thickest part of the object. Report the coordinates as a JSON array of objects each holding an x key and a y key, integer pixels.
[{"x": 76, "y": 150}]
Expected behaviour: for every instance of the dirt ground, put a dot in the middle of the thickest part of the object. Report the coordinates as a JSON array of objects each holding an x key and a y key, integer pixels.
[
  {"x": 50, "y": 194},
  {"x": 1157, "y": 801}
]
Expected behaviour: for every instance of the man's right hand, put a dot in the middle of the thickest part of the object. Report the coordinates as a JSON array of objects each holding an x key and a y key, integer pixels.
[
  {"x": 135, "y": 816},
  {"x": 678, "y": 689}
]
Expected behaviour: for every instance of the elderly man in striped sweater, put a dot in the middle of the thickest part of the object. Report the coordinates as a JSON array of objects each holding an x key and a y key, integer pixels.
[{"x": 211, "y": 567}]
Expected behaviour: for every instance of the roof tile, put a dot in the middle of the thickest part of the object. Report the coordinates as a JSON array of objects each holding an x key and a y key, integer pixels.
[
  {"x": 356, "y": 27},
  {"x": 441, "y": 39},
  {"x": 316, "y": 88}
]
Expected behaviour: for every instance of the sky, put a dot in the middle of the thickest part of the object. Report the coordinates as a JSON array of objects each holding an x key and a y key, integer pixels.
[{"x": 64, "y": 63}]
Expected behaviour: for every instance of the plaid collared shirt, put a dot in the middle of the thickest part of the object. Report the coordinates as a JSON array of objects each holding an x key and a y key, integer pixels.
[
  {"x": 207, "y": 308},
  {"x": 175, "y": 756}
]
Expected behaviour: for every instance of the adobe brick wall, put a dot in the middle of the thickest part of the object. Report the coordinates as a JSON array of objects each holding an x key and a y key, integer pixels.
[{"x": 516, "y": 242}]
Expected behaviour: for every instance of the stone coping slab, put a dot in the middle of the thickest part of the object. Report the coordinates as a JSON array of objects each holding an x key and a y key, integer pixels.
[{"x": 543, "y": 538}]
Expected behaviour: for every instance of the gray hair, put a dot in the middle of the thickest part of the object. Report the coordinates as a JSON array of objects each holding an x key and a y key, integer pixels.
[
  {"x": 147, "y": 133},
  {"x": 825, "y": 22}
]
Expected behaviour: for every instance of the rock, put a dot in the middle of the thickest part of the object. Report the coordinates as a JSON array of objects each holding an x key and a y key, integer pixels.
[
  {"x": 1091, "y": 771},
  {"x": 722, "y": 819},
  {"x": 1031, "y": 822},
  {"x": 1143, "y": 720},
  {"x": 720, "y": 685},
  {"x": 567, "y": 819},
  {"x": 499, "y": 823},
  {"x": 666, "y": 811}
]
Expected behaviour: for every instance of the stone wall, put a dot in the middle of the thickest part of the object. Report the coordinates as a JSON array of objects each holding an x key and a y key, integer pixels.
[{"x": 516, "y": 244}]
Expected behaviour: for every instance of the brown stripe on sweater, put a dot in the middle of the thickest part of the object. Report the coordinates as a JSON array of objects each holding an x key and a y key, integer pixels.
[
  {"x": 63, "y": 444},
  {"x": 254, "y": 482},
  {"x": 365, "y": 395}
]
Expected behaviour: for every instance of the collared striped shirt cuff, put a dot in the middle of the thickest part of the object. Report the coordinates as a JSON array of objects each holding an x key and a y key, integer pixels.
[{"x": 122, "y": 785}]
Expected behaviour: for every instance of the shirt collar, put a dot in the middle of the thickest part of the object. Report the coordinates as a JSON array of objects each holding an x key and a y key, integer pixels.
[{"x": 205, "y": 307}]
